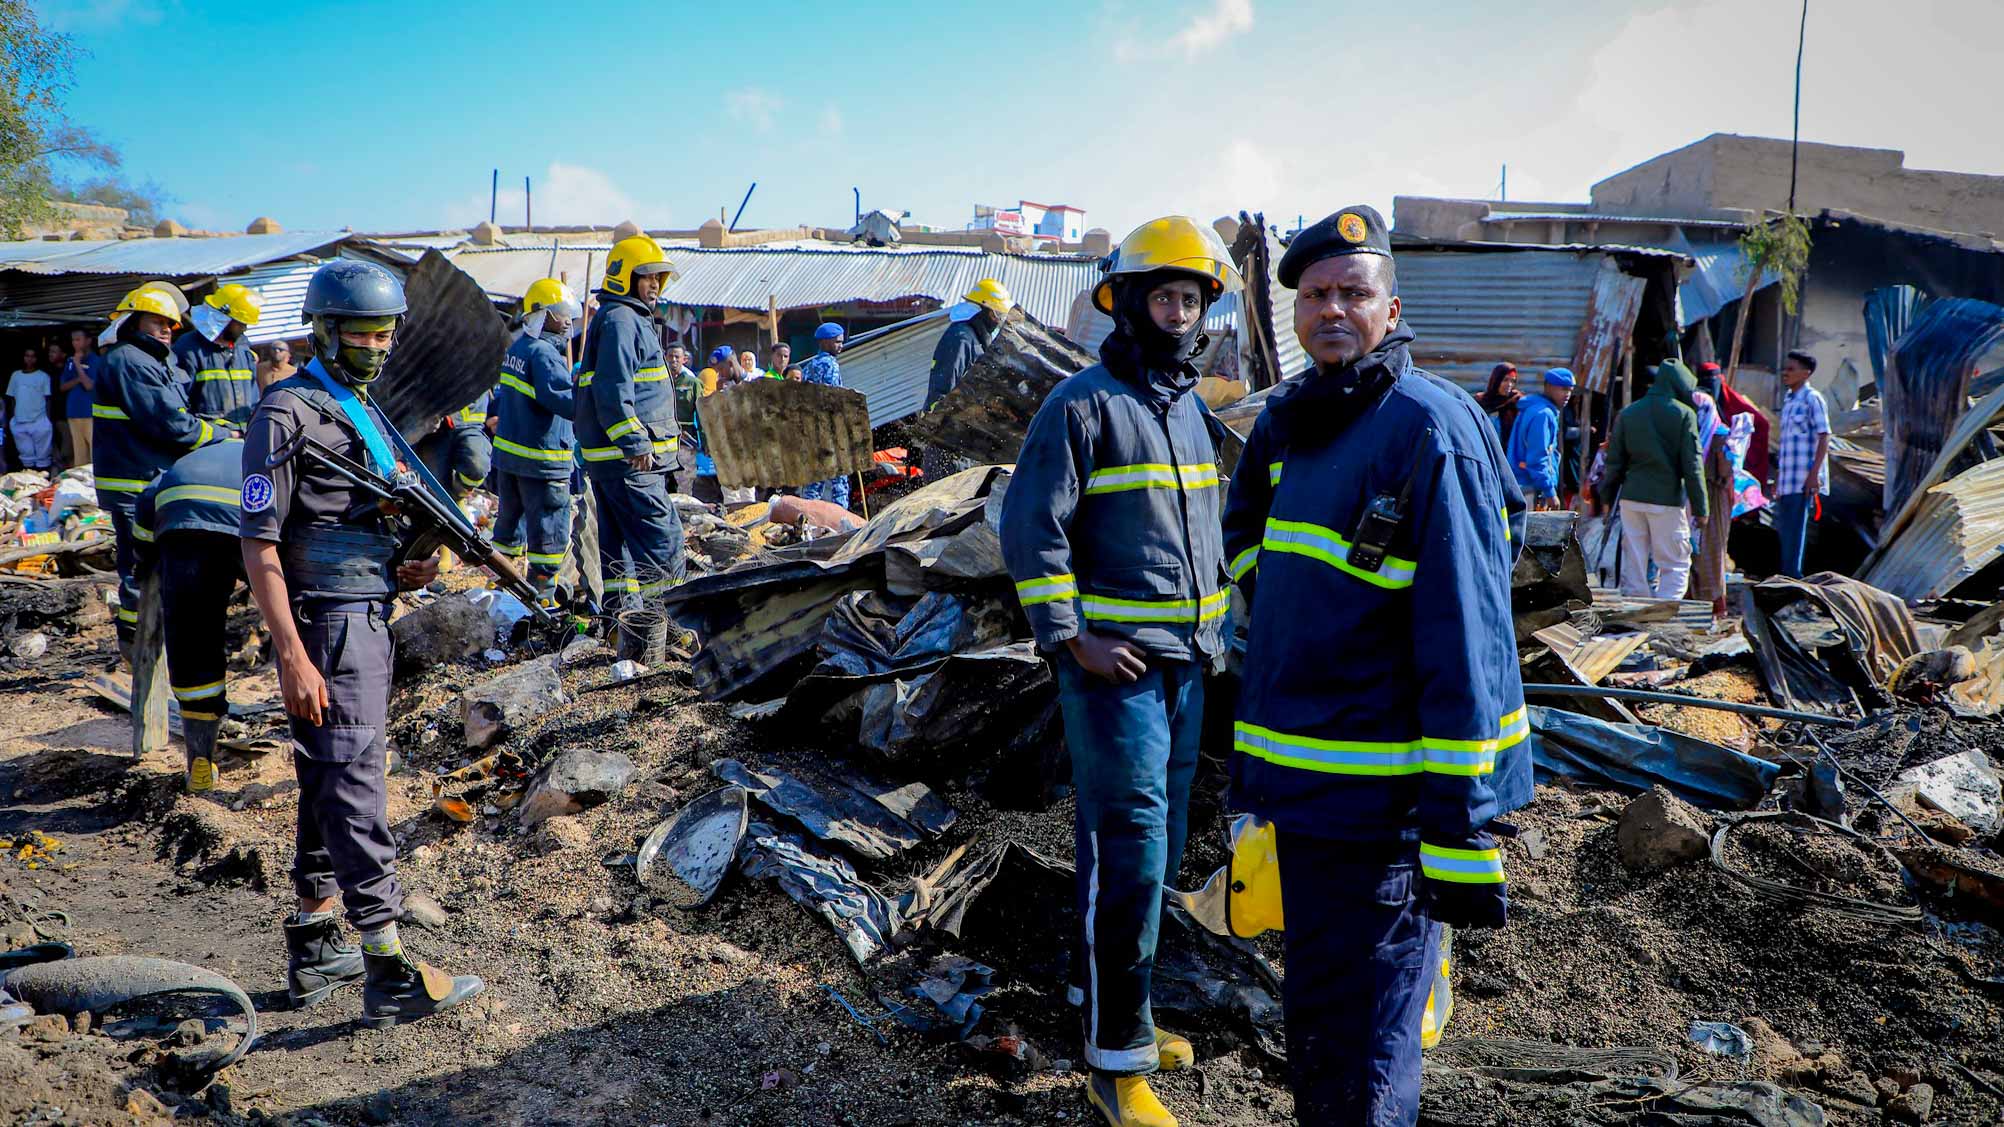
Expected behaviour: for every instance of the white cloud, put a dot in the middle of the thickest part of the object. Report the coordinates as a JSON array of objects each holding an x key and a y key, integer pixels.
[
  {"x": 1200, "y": 33},
  {"x": 566, "y": 194},
  {"x": 1228, "y": 18},
  {"x": 755, "y": 107}
]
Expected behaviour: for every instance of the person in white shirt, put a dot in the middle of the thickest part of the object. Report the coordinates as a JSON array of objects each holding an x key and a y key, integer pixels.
[{"x": 34, "y": 435}]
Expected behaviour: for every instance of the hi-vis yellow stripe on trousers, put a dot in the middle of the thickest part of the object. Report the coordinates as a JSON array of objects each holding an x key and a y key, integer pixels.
[{"x": 1382, "y": 757}]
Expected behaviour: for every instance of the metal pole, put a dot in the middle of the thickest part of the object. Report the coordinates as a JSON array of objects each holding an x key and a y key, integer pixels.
[
  {"x": 528, "y": 206},
  {"x": 741, "y": 206},
  {"x": 1674, "y": 698},
  {"x": 1795, "y": 138},
  {"x": 493, "y": 195},
  {"x": 859, "y": 203}
]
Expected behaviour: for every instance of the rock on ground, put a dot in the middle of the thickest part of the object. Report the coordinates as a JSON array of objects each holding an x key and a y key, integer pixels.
[
  {"x": 509, "y": 699},
  {"x": 1660, "y": 831},
  {"x": 576, "y": 780},
  {"x": 445, "y": 630},
  {"x": 1963, "y": 786}
]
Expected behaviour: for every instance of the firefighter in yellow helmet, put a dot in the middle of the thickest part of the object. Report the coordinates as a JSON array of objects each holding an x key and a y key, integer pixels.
[
  {"x": 1117, "y": 475},
  {"x": 140, "y": 422},
  {"x": 534, "y": 443},
  {"x": 974, "y": 323},
  {"x": 215, "y": 358},
  {"x": 626, "y": 427}
]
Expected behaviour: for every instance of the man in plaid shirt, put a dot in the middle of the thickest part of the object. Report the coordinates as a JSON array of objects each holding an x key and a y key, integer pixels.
[{"x": 1799, "y": 463}]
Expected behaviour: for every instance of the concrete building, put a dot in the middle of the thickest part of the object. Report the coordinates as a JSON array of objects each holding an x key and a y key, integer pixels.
[
  {"x": 1875, "y": 224},
  {"x": 1059, "y": 222}
]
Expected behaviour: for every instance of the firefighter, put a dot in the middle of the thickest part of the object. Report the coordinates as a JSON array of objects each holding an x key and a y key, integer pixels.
[
  {"x": 219, "y": 365},
  {"x": 626, "y": 427},
  {"x": 460, "y": 453},
  {"x": 975, "y": 322},
  {"x": 1373, "y": 524},
  {"x": 140, "y": 421},
  {"x": 319, "y": 557},
  {"x": 1110, "y": 530},
  {"x": 534, "y": 443},
  {"x": 185, "y": 524}
]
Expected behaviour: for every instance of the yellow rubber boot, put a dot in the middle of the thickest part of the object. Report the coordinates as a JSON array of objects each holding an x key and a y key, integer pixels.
[
  {"x": 1126, "y": 1101},
  {"x": 1175, "y": 1051}
]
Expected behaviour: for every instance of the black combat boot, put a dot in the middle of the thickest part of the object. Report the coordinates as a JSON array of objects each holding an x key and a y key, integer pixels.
[
  {"x": 320, "y": 963},
  {"x": 399, "y": 989}
]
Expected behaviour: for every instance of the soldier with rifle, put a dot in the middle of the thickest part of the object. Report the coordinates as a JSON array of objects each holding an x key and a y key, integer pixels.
[{"x": 324, "y": 557}]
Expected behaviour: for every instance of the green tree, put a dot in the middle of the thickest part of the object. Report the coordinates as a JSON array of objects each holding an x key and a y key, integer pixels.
[{"x": 36, "y": 139}]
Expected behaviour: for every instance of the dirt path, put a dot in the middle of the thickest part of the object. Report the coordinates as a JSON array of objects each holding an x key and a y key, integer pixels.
[{"x": 602, "y": 1009}]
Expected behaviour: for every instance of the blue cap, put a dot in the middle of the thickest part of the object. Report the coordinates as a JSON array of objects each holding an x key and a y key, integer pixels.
[
  {"x": 721, "y": 353},
  {"x": 1563, "y": 377},
  {"x": 829, "y": 330}
]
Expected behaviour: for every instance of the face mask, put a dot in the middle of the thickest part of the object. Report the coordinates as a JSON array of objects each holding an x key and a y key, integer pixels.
[{"x": 364, "y": 364}]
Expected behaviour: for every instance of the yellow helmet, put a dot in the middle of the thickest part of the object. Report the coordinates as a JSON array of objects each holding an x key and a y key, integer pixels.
[
  {"x": 238, "y": 300},
  {"x": 634, "y": 256},
  {"x": 154, "y": 297},
  {"x": 1173, "y": 242},
  {"x": 991, "y": 295},
  {"x": 1254, "y": 906},
  {"x": 549, "y": 293}
]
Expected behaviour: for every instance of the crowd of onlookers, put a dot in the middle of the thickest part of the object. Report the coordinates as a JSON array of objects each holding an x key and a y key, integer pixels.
[
  {"x": 46, "y": 413},
  {"x": 1689, "y": 445}
]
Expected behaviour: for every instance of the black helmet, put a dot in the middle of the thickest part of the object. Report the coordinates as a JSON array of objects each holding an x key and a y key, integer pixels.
[
  {"x": 346, "y": 291},
  {"x": 348, "y": 288}
]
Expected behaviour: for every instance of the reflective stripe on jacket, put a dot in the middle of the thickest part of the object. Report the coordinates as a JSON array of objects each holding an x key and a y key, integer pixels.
[
  {"x": 140, "y": 422},
  {"x": 534, "y": 437},
  {"x": 628, "y": 404},
  {"x": 1110, "y": 522},
  {"x": 1380, "y": 704},
  {"x": 222, "y": 381}
]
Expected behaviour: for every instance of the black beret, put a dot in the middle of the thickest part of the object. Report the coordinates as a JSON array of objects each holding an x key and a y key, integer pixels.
[{"x": 1357, "y": 229}]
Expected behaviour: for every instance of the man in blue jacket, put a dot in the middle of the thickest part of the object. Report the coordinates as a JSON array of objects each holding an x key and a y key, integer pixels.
[
  {"x": 824, "y": 368},
  {"x": 626, "y": 426},
  {"x": 1373, "y": 526},
  {"x": 140, "y": 421},
  {"x": 534, "y": 441},
  {"x": 1535, "y": 440},
  {"x": 1110, "y": 530}
]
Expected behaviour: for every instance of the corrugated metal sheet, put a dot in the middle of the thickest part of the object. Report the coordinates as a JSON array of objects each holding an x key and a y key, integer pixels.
[
  {"x": 1470, "y": 310},
  {"x": 795, "y": 278},
  {"x": 891, "y": 365},
  {"x": 1717, "y": 282},
  {"x": 1956, "y": 530},
  {"x": 162, "y": 258},
  {"x": 71, "y": 297},
  {"x": 284, "y": 288}
]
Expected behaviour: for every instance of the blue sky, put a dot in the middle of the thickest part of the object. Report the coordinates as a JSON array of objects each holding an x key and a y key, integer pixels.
[{"x": 390, "y": 116}]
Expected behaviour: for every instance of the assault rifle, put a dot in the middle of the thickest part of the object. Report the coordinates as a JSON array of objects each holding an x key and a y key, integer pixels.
[{"x": 426, "y": 520}]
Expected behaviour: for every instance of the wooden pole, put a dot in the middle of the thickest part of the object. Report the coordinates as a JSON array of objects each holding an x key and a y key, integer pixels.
[
  {"x": 149, "y": 671},
  {"x": 772, "y": 322},
  {"x": 1740, "y": 323}
]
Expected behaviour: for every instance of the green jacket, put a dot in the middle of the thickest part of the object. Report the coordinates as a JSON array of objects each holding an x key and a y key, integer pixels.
[{"x": 1653, "y": 454}]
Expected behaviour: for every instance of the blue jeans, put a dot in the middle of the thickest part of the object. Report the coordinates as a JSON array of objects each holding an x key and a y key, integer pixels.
[
  {"x": 1134, "y": 752},
  {"x": 1359, "y": 955},
  {"x": 1791, "y": 523}
]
